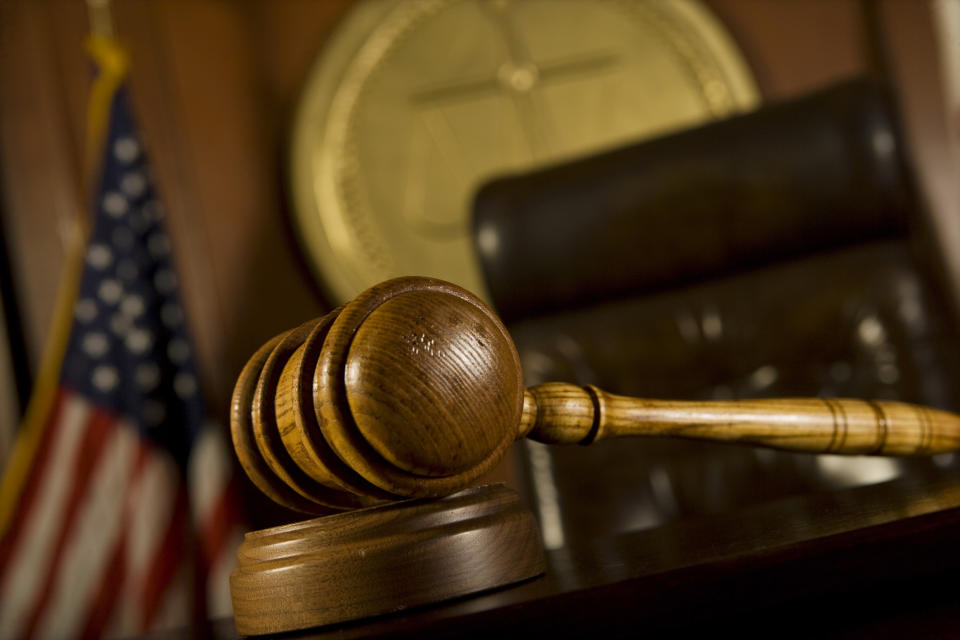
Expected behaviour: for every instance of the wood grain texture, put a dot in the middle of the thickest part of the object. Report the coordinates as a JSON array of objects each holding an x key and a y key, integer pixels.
[
  {"x": 883, "y": 550},
  {"x": 389, "y": 397},
  {"x": 569, "y": 414},
  {"x": 296, "y": 423},
  {"x": 351, "y": 367},
  {"x": 312, "y": 481},
  {"x": 263, "y": 411},
  {"x": 216, "y": 136},
  {"x": 420, "y": 365},
  {"x": 381, "y": 560},
  {"x": 414, "y": 389},
  {"x": 213, "y": 85},
  {"x": 244, "y": 440}
]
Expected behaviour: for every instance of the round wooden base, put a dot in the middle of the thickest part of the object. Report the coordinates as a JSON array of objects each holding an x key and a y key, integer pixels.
[{"x": 383, "y": 559}]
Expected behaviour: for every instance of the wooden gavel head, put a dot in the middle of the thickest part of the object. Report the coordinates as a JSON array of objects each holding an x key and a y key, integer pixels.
[{"x": 412, "y": 389}]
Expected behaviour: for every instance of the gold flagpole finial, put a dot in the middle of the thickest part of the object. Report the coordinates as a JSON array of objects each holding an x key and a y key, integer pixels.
[{"x": 101, "y": 18}]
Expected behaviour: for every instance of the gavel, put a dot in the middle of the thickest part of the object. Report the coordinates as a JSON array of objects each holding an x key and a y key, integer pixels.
[{"x": 414, "y": 389}]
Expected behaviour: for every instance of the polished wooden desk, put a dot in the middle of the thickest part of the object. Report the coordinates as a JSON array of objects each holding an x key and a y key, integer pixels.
[{"x": 871, "y": 561}]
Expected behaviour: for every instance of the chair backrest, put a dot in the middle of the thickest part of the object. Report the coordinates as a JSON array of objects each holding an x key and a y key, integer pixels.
[{"x": 780, "y": 253}]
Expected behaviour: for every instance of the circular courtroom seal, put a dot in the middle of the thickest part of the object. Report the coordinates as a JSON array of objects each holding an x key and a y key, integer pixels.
[{"x": 412, "y": 105}]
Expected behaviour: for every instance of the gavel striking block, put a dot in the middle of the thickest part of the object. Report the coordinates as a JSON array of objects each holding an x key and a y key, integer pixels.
[
  {"x": 381, "y": 560},
  {"x": 414, "y": 390}
]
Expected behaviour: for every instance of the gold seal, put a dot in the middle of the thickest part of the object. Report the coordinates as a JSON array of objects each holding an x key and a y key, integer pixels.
[{"x": 413, "y": 104}]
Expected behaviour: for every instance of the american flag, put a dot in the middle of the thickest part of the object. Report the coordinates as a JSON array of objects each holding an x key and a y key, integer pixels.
[{"x": 123, "y": 520}]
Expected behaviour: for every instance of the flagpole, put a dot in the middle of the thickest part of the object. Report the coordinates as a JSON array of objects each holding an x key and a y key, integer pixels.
[{"x": 100, "y": 16}]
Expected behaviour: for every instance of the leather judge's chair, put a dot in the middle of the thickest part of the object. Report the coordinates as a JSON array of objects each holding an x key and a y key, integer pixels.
[{"x": 779, "y": 253}]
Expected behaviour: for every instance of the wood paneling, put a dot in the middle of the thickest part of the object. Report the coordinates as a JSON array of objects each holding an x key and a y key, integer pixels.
[
  {"x": 797, "y": 46},
  {"x": 204, "y": 91},
  {"x": 214, "y": 84},
  {"x": 40, "y": 159}
]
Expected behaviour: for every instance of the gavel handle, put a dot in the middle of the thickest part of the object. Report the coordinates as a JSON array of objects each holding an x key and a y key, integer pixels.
[{"x": 560, "y": 413}]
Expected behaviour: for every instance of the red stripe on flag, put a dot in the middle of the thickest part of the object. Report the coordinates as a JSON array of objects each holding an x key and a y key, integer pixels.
[
  {"x": 106, "y": 596},
  {"x": 33, "y": 482},
  {"x": 218, "y": 524},
  {"x": 99, "y": 426},
  {"x": 168, "y": 558},
  {"x": 115, "y": 577}
]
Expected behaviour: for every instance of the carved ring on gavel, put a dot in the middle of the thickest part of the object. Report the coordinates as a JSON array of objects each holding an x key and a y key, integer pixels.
[{"x": 414, "y": 389}]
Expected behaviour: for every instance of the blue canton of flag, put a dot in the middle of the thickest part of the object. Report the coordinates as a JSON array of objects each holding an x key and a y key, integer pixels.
[
  {"x": 129, "y": 351},
  {"x": 125, "y": 520}
]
